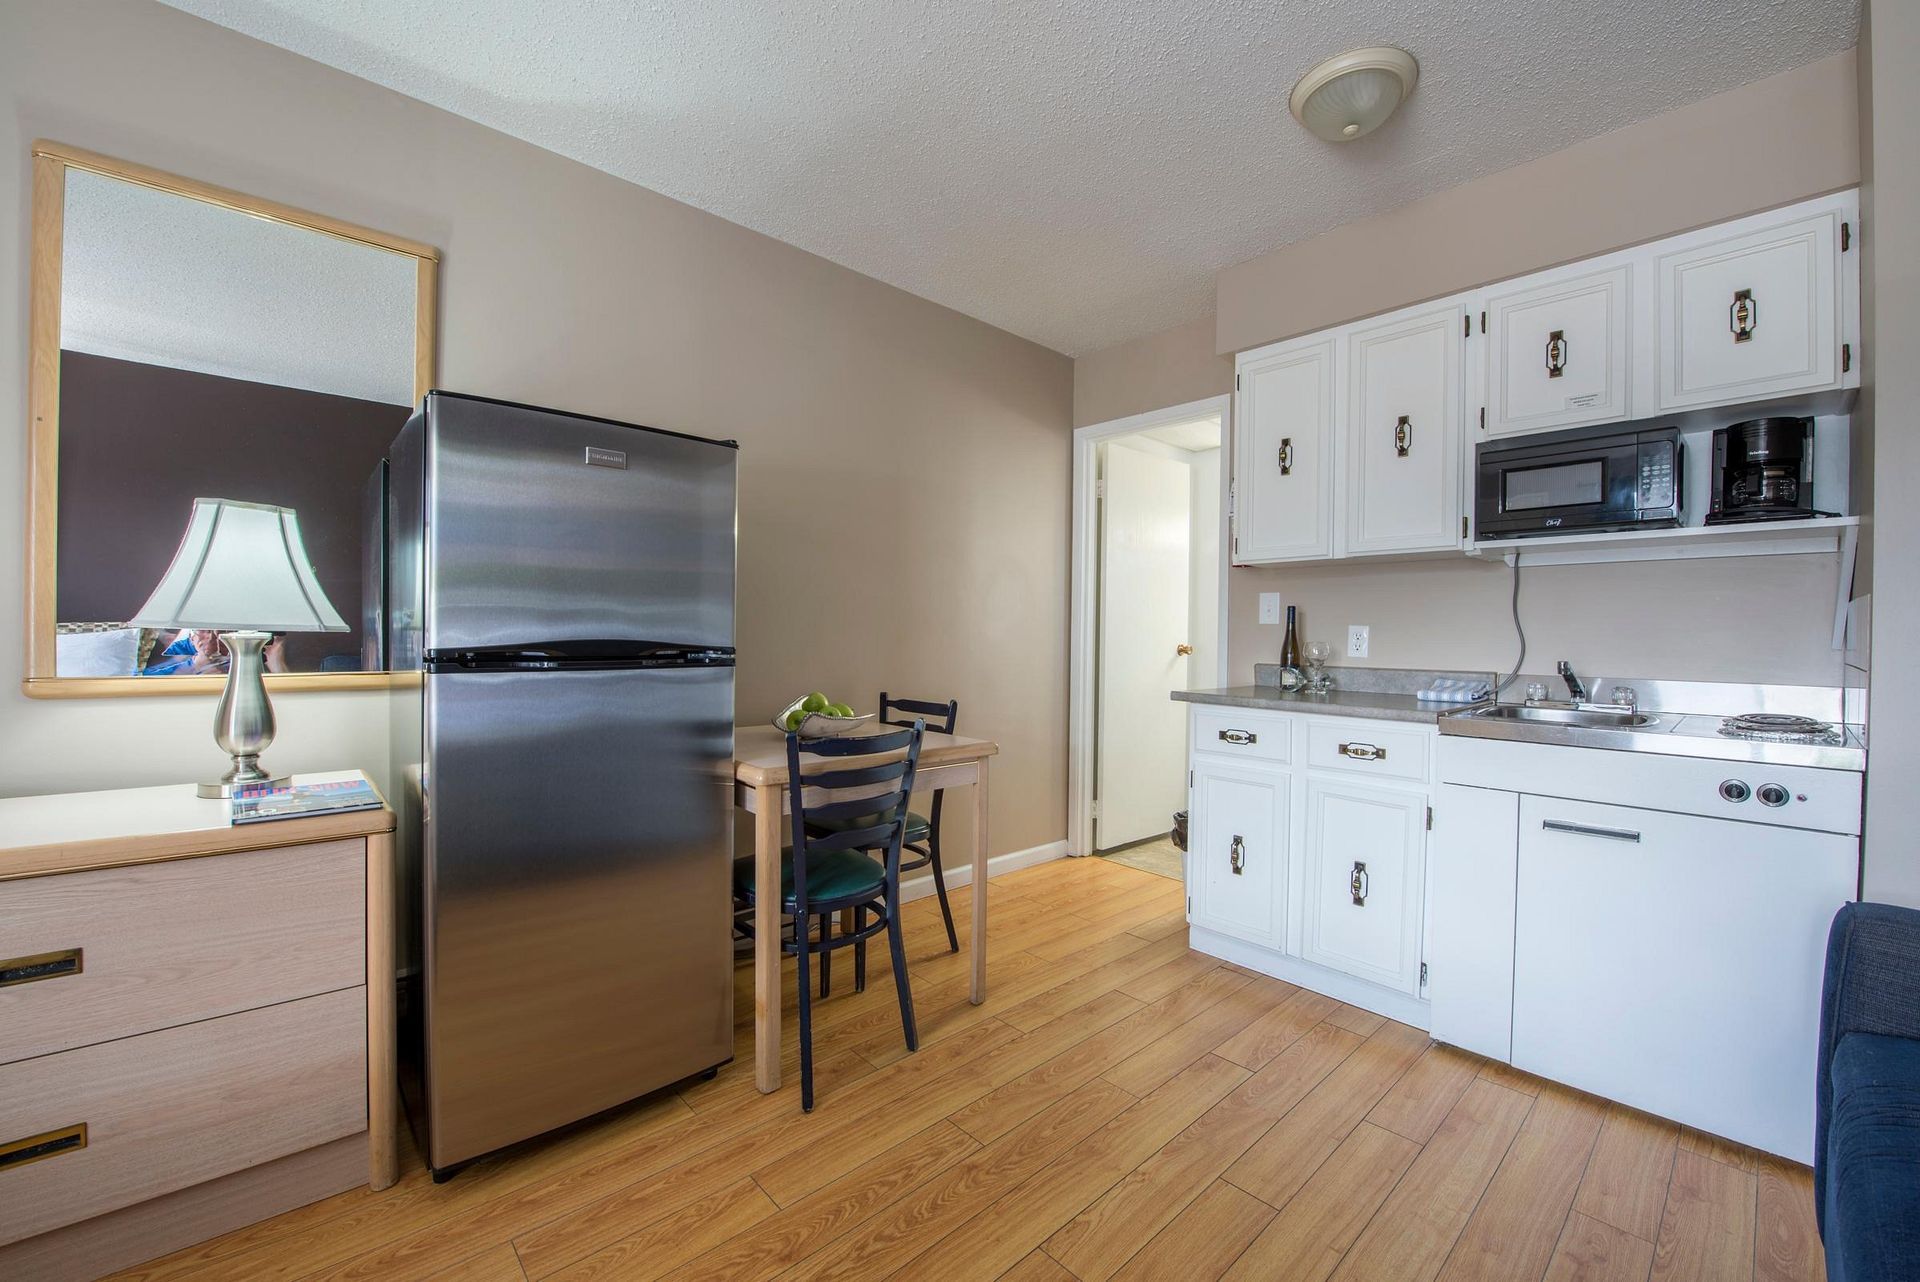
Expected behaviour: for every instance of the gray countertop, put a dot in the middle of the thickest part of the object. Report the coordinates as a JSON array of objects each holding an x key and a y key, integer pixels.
[{"x": 1339, "y": 703}]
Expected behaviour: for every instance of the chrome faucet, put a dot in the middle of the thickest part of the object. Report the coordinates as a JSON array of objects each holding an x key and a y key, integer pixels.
[{"x": 1576, "y": 691}]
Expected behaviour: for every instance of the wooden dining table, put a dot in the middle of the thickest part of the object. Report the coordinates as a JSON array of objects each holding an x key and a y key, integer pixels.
[{"x": 760, "y": 788}]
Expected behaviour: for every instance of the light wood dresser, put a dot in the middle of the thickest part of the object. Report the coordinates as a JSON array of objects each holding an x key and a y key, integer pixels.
[{"x": 196, "y": 1022}]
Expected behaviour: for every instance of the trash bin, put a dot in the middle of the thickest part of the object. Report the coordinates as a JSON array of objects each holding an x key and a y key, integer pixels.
[{"x": 1180, "y": 829}]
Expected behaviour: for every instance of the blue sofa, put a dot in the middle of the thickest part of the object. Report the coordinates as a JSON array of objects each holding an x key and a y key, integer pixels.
[{"x": 1866, "y": 1166}]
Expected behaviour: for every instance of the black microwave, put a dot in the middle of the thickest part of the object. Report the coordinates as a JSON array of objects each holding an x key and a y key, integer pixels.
[{"x": 1618, "y": 477}]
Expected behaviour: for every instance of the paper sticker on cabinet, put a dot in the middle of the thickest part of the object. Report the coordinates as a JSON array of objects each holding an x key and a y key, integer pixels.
[{"x": 1581, "y": 402}]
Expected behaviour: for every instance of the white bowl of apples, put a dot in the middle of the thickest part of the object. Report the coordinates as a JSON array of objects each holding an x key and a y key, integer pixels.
[{"x": 814, "y": 716}]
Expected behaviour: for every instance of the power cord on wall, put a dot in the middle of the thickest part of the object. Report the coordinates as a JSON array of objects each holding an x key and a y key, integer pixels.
[{"x": 1518, "y": 631}]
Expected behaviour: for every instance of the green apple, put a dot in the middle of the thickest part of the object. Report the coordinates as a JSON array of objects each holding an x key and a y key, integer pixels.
[
  {"x": 795, "y": 717},
  {"x": 839, "y": 710},
  {"x": 815, "y": 702}
]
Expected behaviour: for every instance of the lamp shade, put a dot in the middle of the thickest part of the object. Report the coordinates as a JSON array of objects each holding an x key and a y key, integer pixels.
[{"x": 241, "y": 566}]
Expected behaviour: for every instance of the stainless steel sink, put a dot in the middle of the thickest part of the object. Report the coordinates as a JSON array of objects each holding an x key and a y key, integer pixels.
[{"x": 1592, "y": 718}]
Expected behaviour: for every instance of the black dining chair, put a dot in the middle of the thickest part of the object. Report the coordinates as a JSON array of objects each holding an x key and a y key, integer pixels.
[
  {"x": 829, "y": 869},
  {"x": 923, "y": 831}
]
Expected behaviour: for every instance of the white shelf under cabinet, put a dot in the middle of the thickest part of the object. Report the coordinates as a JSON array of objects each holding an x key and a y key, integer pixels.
[{"x": 1764, "y": 538}]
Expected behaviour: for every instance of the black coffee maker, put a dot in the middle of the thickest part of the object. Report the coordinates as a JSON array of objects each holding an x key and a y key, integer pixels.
[{"x": 1762, "y": 471}]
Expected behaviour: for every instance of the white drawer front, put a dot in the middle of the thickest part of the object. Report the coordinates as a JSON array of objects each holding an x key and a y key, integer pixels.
[
  {"x": 1371, "y": 749},
  {"x": 172, "y": 1109},
  {"x": 1243, "y": 732},
  {"x": 170, "y": 943}
]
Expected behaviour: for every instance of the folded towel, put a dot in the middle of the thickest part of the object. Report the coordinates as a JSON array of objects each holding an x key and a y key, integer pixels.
[{"x": 1455, "y": 690}]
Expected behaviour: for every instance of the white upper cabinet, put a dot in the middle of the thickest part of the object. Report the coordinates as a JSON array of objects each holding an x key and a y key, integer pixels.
[
  {"x": 1752, "y": 310},
  {"x": 1557, "y": 350},
  {"x": 1283, "y": 479},
  {"x": 1402, "y": 432}
]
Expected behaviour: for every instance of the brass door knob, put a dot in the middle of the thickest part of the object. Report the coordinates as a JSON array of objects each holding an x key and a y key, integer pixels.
[{"x": 1183, "y": 649}]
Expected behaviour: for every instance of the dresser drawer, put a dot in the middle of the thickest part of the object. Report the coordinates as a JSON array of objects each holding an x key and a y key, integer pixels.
[
  {"x": 1370, "y": 749},
  {"x": 172, "y": 1109},
  {"x": 1238, "y": 732},
  {"x": 170, "y": 943}
]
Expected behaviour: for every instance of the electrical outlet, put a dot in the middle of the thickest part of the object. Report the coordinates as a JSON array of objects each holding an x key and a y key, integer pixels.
[
  {"x": 1357, "y": 636},
  {"x": 1269, "y": 607}
]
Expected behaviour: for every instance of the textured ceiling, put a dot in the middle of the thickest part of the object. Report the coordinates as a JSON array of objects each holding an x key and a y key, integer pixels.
[
  {"x": 1072, "y": 170},
  {"x": 165, "y": 280}
]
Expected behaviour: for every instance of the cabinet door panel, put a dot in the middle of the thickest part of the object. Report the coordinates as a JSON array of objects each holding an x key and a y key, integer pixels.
[
  {"x": 1476, "y": 834},
  {"x": 1236, "y": 860},
  {"x": 1557, "y": 353},
  {"x": 1363, "y": 865},
  {"x": 1751, "y": 316},
  {"x": 1403, "y": 436},
  {"x": 1283, "y": 482}
]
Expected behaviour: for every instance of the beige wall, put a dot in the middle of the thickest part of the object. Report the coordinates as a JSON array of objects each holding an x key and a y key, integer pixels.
[
  {"x": 1169, "y": 368},
  {"x": 1768, "y": 143},
  {"x": 1892, "y": 223},
  {"x": 1758, "y": 618},
  {"x": 566, "y": 287}
]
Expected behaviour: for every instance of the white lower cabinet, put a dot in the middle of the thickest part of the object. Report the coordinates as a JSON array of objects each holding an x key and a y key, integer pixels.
[
  {"x": 1363, "y": 861},
  {"x": 1311, "y": 868},
  {"x": 1237, "y": 850}
]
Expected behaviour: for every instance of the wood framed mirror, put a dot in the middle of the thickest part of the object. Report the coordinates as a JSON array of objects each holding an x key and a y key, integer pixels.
[{"x": 191, "y": 341}]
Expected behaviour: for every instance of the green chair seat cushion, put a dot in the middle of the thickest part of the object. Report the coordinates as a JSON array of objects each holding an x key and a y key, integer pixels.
[
  {"x": 918, "y": 829},
  {"x": 838, "y": 875}
]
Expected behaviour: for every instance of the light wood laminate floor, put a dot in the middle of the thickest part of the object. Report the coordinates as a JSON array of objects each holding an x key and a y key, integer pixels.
[{"x": 1120, "y": 1107}]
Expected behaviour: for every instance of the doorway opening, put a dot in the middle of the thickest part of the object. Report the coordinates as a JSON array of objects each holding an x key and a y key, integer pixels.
[{"x": 1149, "y": 571}]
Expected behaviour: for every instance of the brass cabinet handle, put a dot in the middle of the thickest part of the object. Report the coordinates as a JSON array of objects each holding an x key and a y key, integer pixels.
[
  {"x": 1237, "y": 855},
  {"x": 1285, "y": 457},
  {"x": 1183, "y": 649},
  {"x": 1239, "y": 736},
  {"x": 1403, "y": 436},
  {"x": 1743, "y": 315},
  {"x": 1556, "y": 353},
  {"x": 1357, "y": 884},
  {"x": 35, "y": 1148},
  {"x": 1363, "y": 752},
  {"x": 27, "y": 970}
]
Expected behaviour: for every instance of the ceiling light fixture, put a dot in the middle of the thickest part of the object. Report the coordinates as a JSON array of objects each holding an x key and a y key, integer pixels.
[{"x": 1351, "y": 94}]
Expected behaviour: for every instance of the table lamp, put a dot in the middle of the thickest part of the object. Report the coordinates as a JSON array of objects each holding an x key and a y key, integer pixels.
[{"x": 241, "y": 571}]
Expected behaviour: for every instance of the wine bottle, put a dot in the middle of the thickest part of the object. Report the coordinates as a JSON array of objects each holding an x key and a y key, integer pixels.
[{"x": 1290, "y": 648}]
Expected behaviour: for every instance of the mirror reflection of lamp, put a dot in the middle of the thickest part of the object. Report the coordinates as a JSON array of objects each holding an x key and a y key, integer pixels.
[{"x": 242, "y": 571}]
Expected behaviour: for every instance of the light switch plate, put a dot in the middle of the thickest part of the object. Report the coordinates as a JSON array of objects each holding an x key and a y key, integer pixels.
[
  {"x": 1269, "y": 607},
  {"x": 1357, "y": 637}
]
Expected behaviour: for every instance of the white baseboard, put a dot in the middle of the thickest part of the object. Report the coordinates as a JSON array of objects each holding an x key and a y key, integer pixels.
[
  {"x": 960, "y": 873},
  {"x": 1332, "y": 983}
]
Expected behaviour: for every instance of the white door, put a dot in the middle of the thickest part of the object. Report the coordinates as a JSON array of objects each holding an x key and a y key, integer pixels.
[
  {"x": 1751, "y": 315},
  {"x": 1557, "y": 352},
  {"x": 1673, "y": 963},
  {"x": 1145, "y": 525},
  {"x": 1236, "y": 850},
  {"x": 1470, "y": 918},
  {"x": 1403, "y": 432},
  {"x": 1363, "y": 885},
  {"x": 1283, "y": 477}
]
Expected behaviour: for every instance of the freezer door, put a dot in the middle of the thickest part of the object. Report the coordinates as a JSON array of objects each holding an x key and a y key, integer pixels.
[
  {"x": 545, "y": 527},
  {"x": 578, "y": 914}
]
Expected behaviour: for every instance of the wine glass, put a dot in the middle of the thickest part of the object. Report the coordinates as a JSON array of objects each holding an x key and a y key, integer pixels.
[{"x": 1318, "y": 652}]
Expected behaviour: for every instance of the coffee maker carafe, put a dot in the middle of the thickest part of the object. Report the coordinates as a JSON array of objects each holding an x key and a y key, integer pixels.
[{"x": 1762, "y": 471}]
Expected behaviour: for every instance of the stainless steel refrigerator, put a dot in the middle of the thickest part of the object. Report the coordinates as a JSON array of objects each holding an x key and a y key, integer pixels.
[{"x": 565, "y": 587}]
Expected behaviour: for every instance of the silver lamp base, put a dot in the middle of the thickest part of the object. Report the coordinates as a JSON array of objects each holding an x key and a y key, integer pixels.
[{"x": 243, "y": 723}]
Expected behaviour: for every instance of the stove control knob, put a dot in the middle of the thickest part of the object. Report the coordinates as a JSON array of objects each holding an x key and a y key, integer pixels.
[
  {"x": 1734, "y": 790},
  {"x": 1772, "y": 794}
]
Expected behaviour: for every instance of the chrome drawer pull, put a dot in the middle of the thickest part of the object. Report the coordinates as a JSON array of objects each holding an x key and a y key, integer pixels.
[
  {"x": 1587, "y": 830},
  {"x": 27, "y": 970},
  {"x": 1363, "y": 752},
  {"x": 34, "y": 1148},
  {"x": 1239, "y": 736},
  {"x": 1237, "y": 855},
  {"x": 1357, "y": 884}
]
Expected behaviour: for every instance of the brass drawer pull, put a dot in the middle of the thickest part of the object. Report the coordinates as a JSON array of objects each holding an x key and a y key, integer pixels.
[
  {"x": 1239, "y": 736},
  {"x": 1363, "y": 751},
  {"x": 1743, "y": 315},
  {"x": 27, "y": 970},
  {"x": 34, "y": 1148},
  {"x": 1556, "y": 353}
]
